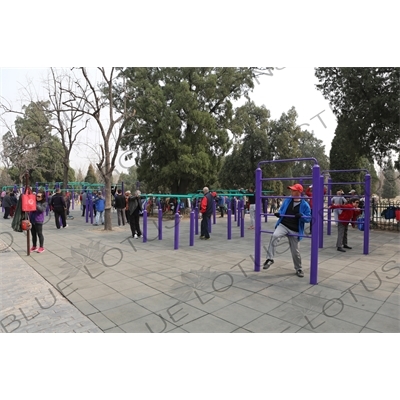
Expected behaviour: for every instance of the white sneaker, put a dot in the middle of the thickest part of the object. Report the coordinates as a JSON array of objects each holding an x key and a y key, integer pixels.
[
  {"x": 66, "y": 226},
  {"x": 135, "y": 236}
]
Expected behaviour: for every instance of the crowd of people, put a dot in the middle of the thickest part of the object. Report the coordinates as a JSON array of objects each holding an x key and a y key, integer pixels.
[{"x": 292, "y": 213}]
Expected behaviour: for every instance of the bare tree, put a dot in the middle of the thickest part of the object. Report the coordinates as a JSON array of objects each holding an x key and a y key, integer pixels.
[
  {"x": 66, "y": 111},
  {"x": 94, "y": 100}
]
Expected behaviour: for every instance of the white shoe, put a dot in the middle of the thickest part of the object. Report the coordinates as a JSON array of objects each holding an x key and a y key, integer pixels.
[{"x": 135, "y": 236}]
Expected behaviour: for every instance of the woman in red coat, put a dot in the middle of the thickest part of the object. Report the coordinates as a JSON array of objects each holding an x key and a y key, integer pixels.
[{"x": 350, "y": 212}]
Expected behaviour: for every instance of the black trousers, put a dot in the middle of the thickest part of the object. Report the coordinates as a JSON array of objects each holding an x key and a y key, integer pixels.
[
  {"x": 6, "y": 212},
  {"x": 57, "y": 214},
  {"x": 204, "y": 226},
  {"x": 37, "y": 232},
  {"x": 134, "y": 223}
]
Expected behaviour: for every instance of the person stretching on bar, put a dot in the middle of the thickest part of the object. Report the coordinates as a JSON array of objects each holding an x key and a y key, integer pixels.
[{"x": 293, "y": 213}]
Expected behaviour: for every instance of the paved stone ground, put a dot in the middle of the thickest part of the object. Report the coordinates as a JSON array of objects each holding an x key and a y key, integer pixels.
[{"x": 110, "y": 282}]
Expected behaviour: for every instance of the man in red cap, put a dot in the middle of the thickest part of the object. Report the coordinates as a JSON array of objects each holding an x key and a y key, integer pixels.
[{"x": 293, "y": 213}]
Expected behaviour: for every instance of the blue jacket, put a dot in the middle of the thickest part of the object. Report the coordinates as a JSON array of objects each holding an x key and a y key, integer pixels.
[
  {"x": 304, "y": 209},
  {"x": 100, "y": 203}
]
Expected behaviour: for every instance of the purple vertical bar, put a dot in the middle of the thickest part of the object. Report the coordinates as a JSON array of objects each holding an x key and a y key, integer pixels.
[
  {"x": 176, "y": 232},
  {"x": 367, "y": 212},
  {"x": 266, "y": 209},
  {"x": 242, "y": 221},
  {"x": 87, "y": 207},
  {"x": 214, "y": 212},
  {"x": 196, "y": 220},
  {"x": 316, "y": 225},
  {"x": 321, "y": 213},
  {"x": 229, "y": 223},
  {"x": 209, "y": 225},
  {"x": 37, "y": 186},
  {"x": 234, "y": 204},
  {"x": 329, "y": 227},
  {"x": 47, "y": 198},
  {"x": 144, "y": 226},
  {"x": 238, "y": 208},
  {"x": 159, "y": 223},
  {"x": 257, "y": 240},
  {"x": 191, "y": 236},
  {"x": 73, "y": 199}
]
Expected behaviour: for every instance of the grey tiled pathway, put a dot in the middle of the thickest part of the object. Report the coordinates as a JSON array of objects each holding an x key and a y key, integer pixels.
[{"x": 110, "y": 282}]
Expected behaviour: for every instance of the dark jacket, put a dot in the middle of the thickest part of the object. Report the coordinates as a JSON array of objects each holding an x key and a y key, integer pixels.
[
  {"x": 58, "y": 202},
  {"x": 119, "y": 201},
  {"x": 135, "y": 205},
  {"x": 7, "y": 201},
  {"x": 206, "y": 206}
]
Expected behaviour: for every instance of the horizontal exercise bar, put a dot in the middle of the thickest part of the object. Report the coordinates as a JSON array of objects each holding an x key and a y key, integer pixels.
[{"x": 289, "y": 234}]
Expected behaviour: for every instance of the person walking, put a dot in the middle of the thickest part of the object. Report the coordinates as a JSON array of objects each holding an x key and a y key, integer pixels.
[
  {"x": 135, "y": 207},
  {"x": 100, "y": 204},
  {"x": 37, "y": 219},
  {"x": 83, "y": 202},
  {"x": 127, "y": 195},
  {"x": 59, "y": 206},
  {"x": 120, "y": 207},
  {"x": 252, "y": 206},
  {"x": 7, "y": 204},
  {"x": 206, "y": 209},
  {"x": 14, "y": 202},
  {"x": 350, "y": 212},
  {"x": 293, "y": 213}
]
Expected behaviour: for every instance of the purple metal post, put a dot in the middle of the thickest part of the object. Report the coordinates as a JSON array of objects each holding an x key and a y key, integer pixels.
[
  {"x": 209, "y": 225},
  {"x": 229, "y": 223},
  {"x": 317, "y": 207},
  {"x": 214, "y": 212},
  {"x": 176, "y": 232},
  {"x": 329, "y": 227},
  {"x": 47, "y": 198},
  {"x": 159, "y": 223},
  {"x": 266, "y": 209},
  {"x": 321, "y": 213},
  {"x": 238, "y": 211},
  {"x": 73, "y": 199},
  {"x": 257, "y": 240},
  {"x": 242, "y": 220},
  {"x": 196, "y": 220},
  {"x": 367, "y": 212},
  {"x": 191, "y": 236},
  {"x": 234, "y": 204},
  {"x": 87, "y": 207},
  {"x": 144, "y": 226}
]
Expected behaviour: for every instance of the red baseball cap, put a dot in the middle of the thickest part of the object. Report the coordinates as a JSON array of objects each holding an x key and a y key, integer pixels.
[{"x": 296, "y": 187}]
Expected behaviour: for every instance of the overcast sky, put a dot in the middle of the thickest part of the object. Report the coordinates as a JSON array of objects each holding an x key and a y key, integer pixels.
[{"x": 284, "y": 88}]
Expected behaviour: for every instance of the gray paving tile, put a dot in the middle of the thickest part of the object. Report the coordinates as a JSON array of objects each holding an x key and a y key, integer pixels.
[
  {"x": 323, "y": 324},
  {"x": 260, "y": 303},
  {"x": 362, "y": 302},
  {"x": 114, "y": 330},
  {"x": 269, "y": 324},
  {"x": 139, "y": 292},
  {"x": 151, "y": 323},
  {"x": 390, "y": 310},
  {"x": 125, "y": 313},
  {"x": 101, "y": 321},
  {"x": 96, "y": 291},
  {"x": 209, "y": 324},
  {"x": 382, "y": 323},
  {"x": 394, "y": 298},
  {"x": 110, "y": 301},
  {"x": 207, "y": 302},
  {"x": 85, "y": 307},
  {"x": 294, "y": 314},
  {"x": 237, "y": 314},
  {"x": 157, "y": 302},
  {"x": 279, "y": 293}
]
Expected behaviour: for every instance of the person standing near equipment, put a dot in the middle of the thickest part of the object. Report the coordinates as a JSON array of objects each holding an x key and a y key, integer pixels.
[
  {"x": 135, "y": 207},
  {"x": 293, "y": 213},
  {"x": 59, "y": 207},
  {"x": 206, "y": 209},
  {"x": 37, "y": 219}
]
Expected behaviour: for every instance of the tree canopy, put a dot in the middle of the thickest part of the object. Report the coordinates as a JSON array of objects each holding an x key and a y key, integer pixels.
[
  {"x": 368, "y": 98},
  {"x": 182, "y": 120}
]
